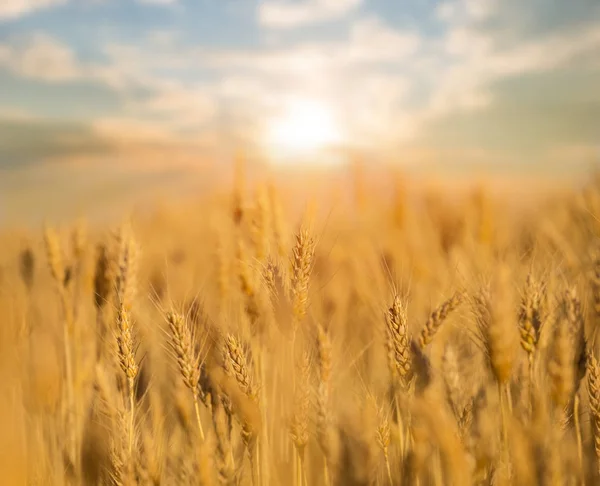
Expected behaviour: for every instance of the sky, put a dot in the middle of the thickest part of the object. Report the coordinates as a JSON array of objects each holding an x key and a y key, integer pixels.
[{"x": 155, "y": 88}]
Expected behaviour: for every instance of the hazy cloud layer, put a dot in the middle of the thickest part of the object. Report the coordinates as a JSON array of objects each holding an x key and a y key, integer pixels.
[
  {"x": 482, "y": 76},
  {"x": 13, "y": 9}
]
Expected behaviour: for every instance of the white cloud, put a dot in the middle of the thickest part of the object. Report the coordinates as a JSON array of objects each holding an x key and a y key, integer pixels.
[
  {"x": 170, "y": 101},
  {"x": 547, "y": 53},
  {"x": 13, "y": 9},
  {"x": 373, "y": 108},
  {"x": 180, "y": 108},
  {"x": 286, "y": 14},
  {"x": 41, "y": 57},
  {"x": 45, "y": 58},
  {"x": 372, "y": 40},
  {"x": 462, "y": 41},
  {"x": 464, "y": 82}
]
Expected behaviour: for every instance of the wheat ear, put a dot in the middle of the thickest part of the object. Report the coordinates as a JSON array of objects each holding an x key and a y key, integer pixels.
[
  {"x": 437, "y": 318},
  {"x": 126, "y": 345},
  {"x": 593, "y": 389},
  {"x": 302, "y": 262},
  {"x": 188, "y": 360}
]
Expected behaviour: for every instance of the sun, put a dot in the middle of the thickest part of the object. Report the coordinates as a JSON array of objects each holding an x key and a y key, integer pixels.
[{"x": 304, "y": 127}]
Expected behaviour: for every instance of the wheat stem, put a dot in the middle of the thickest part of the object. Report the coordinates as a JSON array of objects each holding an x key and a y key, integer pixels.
[
  {"x": 388, "y": 468},
  {"x": 131, "y": 382},
  {"x": 197, "y": 410},
  {"x": 576, "y": 405}
]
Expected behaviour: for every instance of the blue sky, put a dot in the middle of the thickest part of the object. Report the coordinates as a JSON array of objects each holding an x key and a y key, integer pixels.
[{"x": 150, "y": 83}]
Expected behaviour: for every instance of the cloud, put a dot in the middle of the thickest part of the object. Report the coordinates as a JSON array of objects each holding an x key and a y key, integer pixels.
[
  {"x": 474, "y": 64},
  {"x": 373, "y": 41},
  {"x": 352, "y": 76},
  {"x": 508, "y": 23},
  {"x": 169, "y": 102},
  {"x": 179, "y": 108},
  {"x": 31, "y": 142},
  {"x": 386, "y": 83},
  {"x": 370, "y": 42},
  {"x": 488, "y": 42},
  {"x": 278, "y": 14},
  {"x": 27, "y": 141},
  {"x": 525, "y": 114},
  {"x": 13, "y": 9},
  {"x": 41, "y": 57},
  {"x": 249, "y": 86},
  {"x": 373, "y": 107},
  {"x": 389, "y": 84}
]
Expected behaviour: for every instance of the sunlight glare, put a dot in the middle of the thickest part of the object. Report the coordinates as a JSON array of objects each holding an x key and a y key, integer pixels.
[{"x": 305, "y": 126}]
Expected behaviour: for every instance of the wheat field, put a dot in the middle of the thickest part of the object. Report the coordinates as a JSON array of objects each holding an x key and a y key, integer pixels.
[{"x": 423, "y": 339}]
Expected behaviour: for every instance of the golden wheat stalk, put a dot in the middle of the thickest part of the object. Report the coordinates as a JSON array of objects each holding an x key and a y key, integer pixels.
[
  {"x": 126, "y": 345},
  {"x": 238, "y": 364},
  {"x": 126, "y": 355},
  {"x": 324, "y": 425},
  {"x": 531, "y": 316},
  {"x": 593, "y": 389},
  {"x": 188, "y": 360},
  {"x": 437, "y": 318},
  {"x": 302, "y": 263},
  {"x": 224, "y": 456},
  {"x": 398, "y": 343},
  {"x": 300, "y": 418},
  {"x": 495, "y": 319},
  {"x": 382, "y": 434},
  {"x": 126, "y": 268},
  {"x": 498, "y": 332}
]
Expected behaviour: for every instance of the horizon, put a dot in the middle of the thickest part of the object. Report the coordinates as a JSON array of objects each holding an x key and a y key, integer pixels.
[{"x": 101, "y": 196}]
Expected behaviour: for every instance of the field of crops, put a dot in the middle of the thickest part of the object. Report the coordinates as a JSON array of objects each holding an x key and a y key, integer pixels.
[{"x": 423, "y": 339}]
